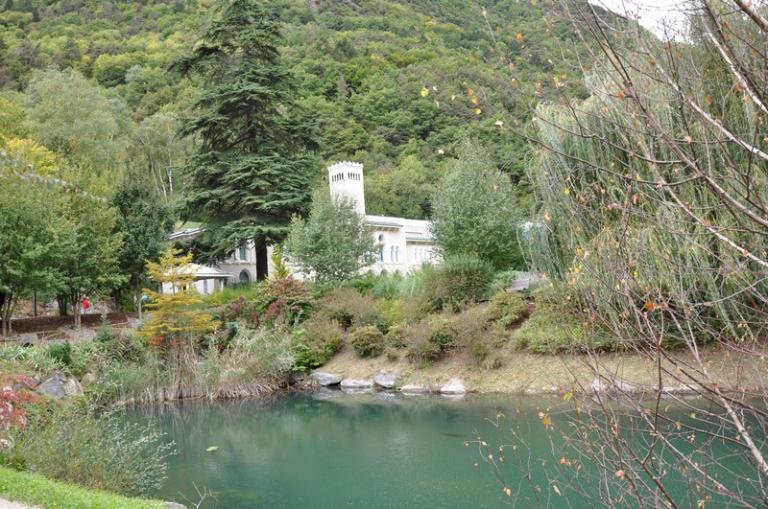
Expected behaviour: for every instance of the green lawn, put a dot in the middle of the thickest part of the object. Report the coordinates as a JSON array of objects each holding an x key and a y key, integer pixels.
[{"x": 36, "y": 490}]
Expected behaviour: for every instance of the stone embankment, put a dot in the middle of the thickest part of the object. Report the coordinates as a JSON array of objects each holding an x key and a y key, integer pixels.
[{"x": 384, "y": 381}]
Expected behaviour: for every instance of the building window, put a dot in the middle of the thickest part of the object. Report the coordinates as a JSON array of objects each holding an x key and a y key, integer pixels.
[
  {"x": 244, "y": 277},
  {"x": 393, "y": 254},
  {"x": 243, "y": 253}
]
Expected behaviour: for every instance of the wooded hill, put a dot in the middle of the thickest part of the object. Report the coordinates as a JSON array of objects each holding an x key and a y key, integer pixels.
[{"x": 395, "y": 85}]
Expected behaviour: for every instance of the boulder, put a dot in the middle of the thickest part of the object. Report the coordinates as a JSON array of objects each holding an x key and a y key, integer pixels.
[
  {"x": 175, "y": 505},
  {"x": 598, "y": 385},
  {"x": 59, "y": 386},
  {"x": 72, "y": 387},
  {"x": 326, "y": 379},
  {"x": 88, "y": 379},
  {"x": 386, "y": 379},
  {"x": 454, "y": 386},
  {"x": 54, "y": 386},
  {"x": 356, "y": 385},
  {"x": 414, "y": 389}
]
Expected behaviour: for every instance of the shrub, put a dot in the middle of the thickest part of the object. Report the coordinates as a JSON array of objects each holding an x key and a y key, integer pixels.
[
  {"x": 507, "y": 308},
  {"x": 241, "y": 310},
  {"x": 317, "y": 343},
  {"x": 367, "y": 341},
  {"x": 61, "y": 353},
  {"x": 503, "y": 280},
  {"x": 257, "y": 355},
  {"x": 397, "y": 336},
  {"x": 429, "y": 339},
  {"x": 557, "y": 325},
  {"x": 349, "y": 307},
  {"x": 120, "y": 346},
  {"x": 284, "y": 301},
  {"x": 72, "y": 444},
  {"x": 459, "y": 280}
]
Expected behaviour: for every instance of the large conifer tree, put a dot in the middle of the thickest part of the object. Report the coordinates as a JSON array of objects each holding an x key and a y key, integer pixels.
[{"x": 254, "y": 162}]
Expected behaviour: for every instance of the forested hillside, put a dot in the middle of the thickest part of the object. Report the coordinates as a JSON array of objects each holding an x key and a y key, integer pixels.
[{"x": 395, "y": 85}]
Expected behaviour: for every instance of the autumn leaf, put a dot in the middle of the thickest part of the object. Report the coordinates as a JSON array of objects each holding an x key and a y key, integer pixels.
[
  {"x": 519, "y": 37},
  {"x": 475, "y": 101},
  {"x": 620, "y": 474},
  {"x": 478, "y": 111},
  {"x": 424, "y": 92},
  {"x": 470, "y": 92}
]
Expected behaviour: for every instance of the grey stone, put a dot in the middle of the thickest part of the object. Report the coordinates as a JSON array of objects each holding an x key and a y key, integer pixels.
[
  {"x": 72, "y": 387},
  {"x": 88, "y": 378},
  {"x": 598, "y": 385},
  {"x": 454, "y": 386},
  {"x": 356, "y": 385},
  {"x": 414, "y": 389},
  {"x": 175, "y": 505},
  {"x": 386, "y": 379},
  {"x": 54, "y": 386},
  {"x": 326, "y": 379}
]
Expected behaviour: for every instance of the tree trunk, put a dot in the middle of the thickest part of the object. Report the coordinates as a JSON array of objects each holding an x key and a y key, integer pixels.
[
  {"x": 6, "y": 313},
  {"x": 76, "y": 309},
  {"x": 63, "y": 302},
  {"x": 138, "y": 301}
]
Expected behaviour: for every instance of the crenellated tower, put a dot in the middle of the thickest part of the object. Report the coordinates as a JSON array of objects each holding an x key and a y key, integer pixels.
[{"x": 345, "y": 179}]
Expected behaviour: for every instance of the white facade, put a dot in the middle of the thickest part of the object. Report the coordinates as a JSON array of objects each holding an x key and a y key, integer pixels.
[{"x": 404, "y": 244}]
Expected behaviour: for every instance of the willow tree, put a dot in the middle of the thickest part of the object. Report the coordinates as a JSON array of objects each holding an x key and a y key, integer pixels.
[
  {"x": 254, "y": 164},
  {"x": 654, "y": 208}
]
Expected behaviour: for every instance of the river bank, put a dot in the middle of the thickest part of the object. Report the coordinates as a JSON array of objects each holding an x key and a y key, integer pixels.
[{"x": 528, "y": 373}]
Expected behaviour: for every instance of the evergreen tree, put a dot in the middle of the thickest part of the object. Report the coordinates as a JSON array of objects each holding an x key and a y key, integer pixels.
[{"x": 254, "y": 164}]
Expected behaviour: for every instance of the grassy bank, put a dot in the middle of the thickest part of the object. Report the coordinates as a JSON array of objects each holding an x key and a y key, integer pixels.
[{"x": 36, "y": 490}]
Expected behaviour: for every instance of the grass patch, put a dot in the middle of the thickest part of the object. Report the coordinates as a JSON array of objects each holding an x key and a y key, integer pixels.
[{"x": 37, "y": 490}]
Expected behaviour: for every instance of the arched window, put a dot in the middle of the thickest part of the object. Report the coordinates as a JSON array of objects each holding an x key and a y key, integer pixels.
[{"x": 244, "y": 277}]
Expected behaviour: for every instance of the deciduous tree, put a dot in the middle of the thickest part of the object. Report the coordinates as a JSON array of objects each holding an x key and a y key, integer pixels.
[
  {"x": 474, "y": 211},
  {"x": 334, "y": 243}
]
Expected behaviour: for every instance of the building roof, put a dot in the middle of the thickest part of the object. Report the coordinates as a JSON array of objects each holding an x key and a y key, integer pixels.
[{"x": 205, "y": 271}]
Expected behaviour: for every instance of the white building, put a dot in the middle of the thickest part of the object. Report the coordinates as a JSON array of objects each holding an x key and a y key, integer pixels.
[{"x": 404, "y": 244}]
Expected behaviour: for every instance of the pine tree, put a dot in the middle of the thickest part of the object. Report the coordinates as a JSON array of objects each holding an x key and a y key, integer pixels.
[{"x": 254, "y": 164}]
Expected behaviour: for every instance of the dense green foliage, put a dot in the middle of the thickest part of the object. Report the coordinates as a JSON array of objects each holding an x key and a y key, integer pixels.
[
  {"x": 333, "y": 243},
  {"x": 393, "y": 84},
  {"x": 253, "y": 166},
  {"x": 458, "y": 280},
  {"x": 475, "y": 211}
]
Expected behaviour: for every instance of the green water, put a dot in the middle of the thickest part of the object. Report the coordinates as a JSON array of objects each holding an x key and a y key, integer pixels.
[{"x": 359, "y": 451}]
